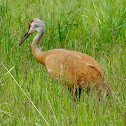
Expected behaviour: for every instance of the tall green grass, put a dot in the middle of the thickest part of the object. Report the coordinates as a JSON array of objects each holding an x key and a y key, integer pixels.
[{"x": 94, "y": 27}]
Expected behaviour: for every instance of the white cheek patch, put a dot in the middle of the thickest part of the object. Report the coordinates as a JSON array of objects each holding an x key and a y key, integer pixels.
[{"x": 31, "y": 31}]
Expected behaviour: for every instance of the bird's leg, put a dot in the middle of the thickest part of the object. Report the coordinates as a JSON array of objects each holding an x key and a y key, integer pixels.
[
  {"x": 79, "y": 93},
  {"x": 73, "y": 94}
]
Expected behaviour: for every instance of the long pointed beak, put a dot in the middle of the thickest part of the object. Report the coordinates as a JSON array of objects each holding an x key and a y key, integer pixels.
[{"x": 25, "y": 36}]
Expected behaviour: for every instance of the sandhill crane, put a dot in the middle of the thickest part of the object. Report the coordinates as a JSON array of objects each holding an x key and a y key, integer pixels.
[{"x": 78, "y": 70}]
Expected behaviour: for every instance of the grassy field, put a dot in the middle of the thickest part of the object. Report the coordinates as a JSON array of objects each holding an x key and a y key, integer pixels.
[{"x": 27, "y": 94}]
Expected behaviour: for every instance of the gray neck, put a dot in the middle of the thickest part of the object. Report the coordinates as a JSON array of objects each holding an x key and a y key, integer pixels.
[{"x": 36, "y": 50}]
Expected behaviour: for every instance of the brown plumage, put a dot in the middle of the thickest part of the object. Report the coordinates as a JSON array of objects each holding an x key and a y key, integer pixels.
[{"x": 75, "y": 69}]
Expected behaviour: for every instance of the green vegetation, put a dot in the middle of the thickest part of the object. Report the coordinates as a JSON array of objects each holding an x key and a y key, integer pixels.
[{"x": 95, "y": 27}]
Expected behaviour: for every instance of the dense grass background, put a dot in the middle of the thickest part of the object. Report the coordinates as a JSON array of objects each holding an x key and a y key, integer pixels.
[{"x": 95, "y": 27}]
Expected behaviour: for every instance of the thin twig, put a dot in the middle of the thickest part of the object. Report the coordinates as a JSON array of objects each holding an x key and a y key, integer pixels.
[
  {"x": 8, "y": 71},
  {"x": 25, "y": 94}
]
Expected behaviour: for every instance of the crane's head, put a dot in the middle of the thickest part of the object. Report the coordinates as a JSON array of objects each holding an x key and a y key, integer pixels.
[{"x": 35, "y": 25}]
